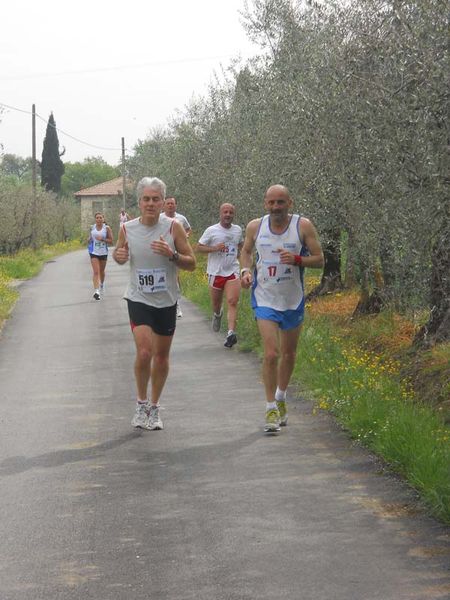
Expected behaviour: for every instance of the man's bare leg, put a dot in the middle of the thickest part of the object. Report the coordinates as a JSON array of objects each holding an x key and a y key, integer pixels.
[
  {"x": 270, "y": 338},
  {"x": 288, "y": 353},
  {"x": 160, "y": 364},
  {"x": 216, "y": 299},
  {"x": 143, "y": 338},
  {"x": 216, "y": 303},
  {"x": 232, "y": 292}
]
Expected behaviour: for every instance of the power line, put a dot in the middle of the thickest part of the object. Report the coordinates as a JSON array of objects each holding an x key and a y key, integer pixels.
[
  {"x": 117, "y": 67},
  {"x": 58, "y": 129}
]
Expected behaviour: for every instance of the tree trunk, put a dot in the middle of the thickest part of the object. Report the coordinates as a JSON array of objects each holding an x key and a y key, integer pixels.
[
  {"x": 382, "y": 279},
  {"x": 387, "y": 261},
  {"x": 350, "y": 268},
  {"x": 368, "y": 303},
  {"x": 437, "y": 329},
  {"x": 331, "y": 276}
]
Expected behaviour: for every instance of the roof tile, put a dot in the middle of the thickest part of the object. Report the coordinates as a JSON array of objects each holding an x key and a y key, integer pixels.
[{"x": 113, "y": 187}]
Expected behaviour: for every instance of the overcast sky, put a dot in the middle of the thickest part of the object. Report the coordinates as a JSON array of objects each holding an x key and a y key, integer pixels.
[{"x": 108, "y": 69}]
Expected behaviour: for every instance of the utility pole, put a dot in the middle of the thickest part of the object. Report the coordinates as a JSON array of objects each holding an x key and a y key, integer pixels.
[
  {"x": 33, "y": 175},
  {"x": 33, "y": 151},
  {"x": 123, "y": 175}
]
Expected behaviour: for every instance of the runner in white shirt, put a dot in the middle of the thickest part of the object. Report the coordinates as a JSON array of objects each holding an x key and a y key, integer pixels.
[
  {"x": 170, "y": 210},
  {"x": 223, "y": 242}
]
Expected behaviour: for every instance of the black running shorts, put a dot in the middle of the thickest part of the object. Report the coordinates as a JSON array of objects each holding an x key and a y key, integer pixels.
[
  {"x": 161, "y": 320},
  {"x": 99, "y": 256}
]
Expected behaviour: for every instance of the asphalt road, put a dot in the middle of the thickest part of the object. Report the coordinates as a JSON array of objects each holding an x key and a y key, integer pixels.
[{"x": 209, "y": 508}]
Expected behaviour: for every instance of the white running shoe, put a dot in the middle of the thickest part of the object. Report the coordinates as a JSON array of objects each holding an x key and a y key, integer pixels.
[
  {"x": 272, "y": 421},
  {"x": 179, "y": 312},
  {"x": 216, "y": 320},
  {"x": 282, "y": 409},
  {"x": 140, "y": 418},
  {"x": 154, "y": 418},
  {"x": 96, "y": 295}
]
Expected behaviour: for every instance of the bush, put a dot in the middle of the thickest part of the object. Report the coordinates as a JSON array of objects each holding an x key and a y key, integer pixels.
[{"x": 26, "y": 223}]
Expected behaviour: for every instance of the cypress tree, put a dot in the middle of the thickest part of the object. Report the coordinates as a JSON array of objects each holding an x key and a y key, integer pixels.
[{"x": 52, "y": 167}]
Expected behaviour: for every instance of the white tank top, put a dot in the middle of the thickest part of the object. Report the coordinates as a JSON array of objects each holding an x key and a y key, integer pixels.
[
  {"x": 98, "y": 247},
  {"x": 153, "y": 278},
  {"x": 276, "y": 285}
]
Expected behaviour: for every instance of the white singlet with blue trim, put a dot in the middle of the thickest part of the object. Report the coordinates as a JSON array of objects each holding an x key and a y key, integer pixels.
[
  {"x": 153, "y": 277},
  {"x": 276, "y": 285},
  {"x": 98, "y": 247}
]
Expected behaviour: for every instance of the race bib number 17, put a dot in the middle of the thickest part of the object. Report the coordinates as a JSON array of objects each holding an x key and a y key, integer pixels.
[
  {"x": 270, "y": 270},
  {"x": 276, "y": 273}
]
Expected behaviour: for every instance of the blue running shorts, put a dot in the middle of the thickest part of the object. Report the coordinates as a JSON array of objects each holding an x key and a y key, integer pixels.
[{"x": 286, "y": 319}]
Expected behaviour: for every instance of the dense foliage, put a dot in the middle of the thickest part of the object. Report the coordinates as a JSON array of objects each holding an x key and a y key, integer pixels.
[
  {"x": 27, "y": 223},
  {"x": 347, "y": 106},
  {"x": 89, "y": 172},
  {"x": 16, "y": 167},
  {"x": 48, "y": 218}
]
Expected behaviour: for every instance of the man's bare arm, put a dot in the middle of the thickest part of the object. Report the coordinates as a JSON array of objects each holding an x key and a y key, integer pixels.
[
  {"x": 246, "y": 258},
  {"x": 204, "y": 249},
  {"x": 186, "y": 258},
  {"x": 120, "y": 253}
]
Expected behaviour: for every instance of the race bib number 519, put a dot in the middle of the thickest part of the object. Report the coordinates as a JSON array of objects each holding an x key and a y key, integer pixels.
[{"x": 150, "y": 281}]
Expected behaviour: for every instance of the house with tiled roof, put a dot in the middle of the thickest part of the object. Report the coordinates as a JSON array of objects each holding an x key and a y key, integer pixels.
[{"x": 106, "y": 197}]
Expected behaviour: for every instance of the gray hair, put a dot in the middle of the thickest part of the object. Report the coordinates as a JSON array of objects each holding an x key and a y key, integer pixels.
[{"x": 151, "y": 182}]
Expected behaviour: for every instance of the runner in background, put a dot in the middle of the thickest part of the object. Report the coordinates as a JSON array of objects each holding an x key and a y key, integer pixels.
[
  {"x": 123, "y": 217},
  {"x": 170, "y": 210},
  {"x": 100, "y": 237},
  {"x": 222, "y": 243}
]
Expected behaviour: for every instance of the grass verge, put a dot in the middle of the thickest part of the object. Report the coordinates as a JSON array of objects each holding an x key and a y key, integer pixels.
[
  {"x": 353, "y": 369},
  {"x": 366, "y": 393}
]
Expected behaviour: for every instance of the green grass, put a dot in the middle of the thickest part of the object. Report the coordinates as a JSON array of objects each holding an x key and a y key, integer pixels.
[
  {"x": 366, "y": 394},
  {"x": 362, "y": 389},
  {"x": 8, "y": 297},
  {"x": 24, "y": 265}
]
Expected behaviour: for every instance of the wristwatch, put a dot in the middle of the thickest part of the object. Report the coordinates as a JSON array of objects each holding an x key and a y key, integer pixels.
[{"x": 175, "y": 256}]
